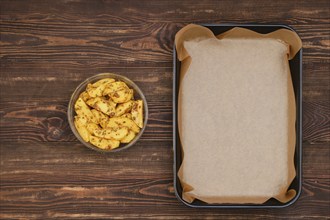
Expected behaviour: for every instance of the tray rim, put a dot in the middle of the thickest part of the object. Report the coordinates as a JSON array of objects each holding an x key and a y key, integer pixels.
[{"x": 298, "y": 131}]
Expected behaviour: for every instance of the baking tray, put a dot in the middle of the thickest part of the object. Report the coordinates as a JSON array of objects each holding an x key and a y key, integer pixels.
[{"x": 296, "y": 74}]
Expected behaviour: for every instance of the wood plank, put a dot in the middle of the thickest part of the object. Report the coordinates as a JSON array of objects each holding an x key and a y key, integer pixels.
[
  {"x": 316, "y": 114},
  {"x": 15, "y": 79},
  {"x": 109, "y": 34},
  {"x": 165, "y": 11},
  {"x": 50, "y": 162},
  {"x": 42, "y": 121},
  {"x": 316, "y": 160},
  {"x": 56, "y": 178},
  {"x": 96, "y": 201},
  {"x": 148, "y": 44},
  {"x": 59, "y": 84}
]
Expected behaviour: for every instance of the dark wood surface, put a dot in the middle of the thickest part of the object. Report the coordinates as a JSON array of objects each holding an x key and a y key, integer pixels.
[{"x": 48, "y": 47}]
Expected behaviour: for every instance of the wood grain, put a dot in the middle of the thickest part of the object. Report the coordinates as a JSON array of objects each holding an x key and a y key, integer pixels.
[
  {"x": 48, "y": 47},
  {"x": 47, "y": 121},
  {"x": 105, "y": 184}
]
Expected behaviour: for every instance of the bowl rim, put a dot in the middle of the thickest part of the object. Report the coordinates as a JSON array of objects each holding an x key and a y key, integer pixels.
[{"x": 71, "y": 113}]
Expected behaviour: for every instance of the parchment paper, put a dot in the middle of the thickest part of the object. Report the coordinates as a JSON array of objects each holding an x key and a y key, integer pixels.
[{"x": 236, "y": 115}]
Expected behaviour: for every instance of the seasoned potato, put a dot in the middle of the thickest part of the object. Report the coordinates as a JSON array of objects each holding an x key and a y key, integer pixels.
[
  {"x": 106, "y": 107},
  {"x": 119, "y": 92},
  {"x": 84, "y": 96},
  {"x": 104, "y": 143},
  {"x": 104, "y": 122},
  {"x": 132, "y": 94},
  {"x": 95, "y": 91},
  {"x": 112, "y": 124},
  {"x": 82, "y": 130},
  {"x": 107, "y": 114},
  {"x": 103, "y": 81},
  {"x": 101, "y": 118},
  {"x": 92, "y": 101},
  {"x": 91, "y": 127},
  {"x": 110, "y": 133},
  {"x": 124, "y": 108},
  {"x": 82, "y": 119},
  {"x": 96, "y": 141},
  {"x": 83, "y": 110},
  {"x": 128, "y": 138},
  {"x": 112, "y": 144},
  {"x": 113, "y": 87},
  {"x": 137, "y": 113},
  {"x": 121, "y": 121},
  {"x": 127, "y": 115},
  {"x": 121, "y": 96},
  {"x": 97, "y": 115}
]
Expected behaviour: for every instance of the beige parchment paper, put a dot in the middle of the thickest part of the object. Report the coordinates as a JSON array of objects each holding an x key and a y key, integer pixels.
[{"x": 236, "y": 115}]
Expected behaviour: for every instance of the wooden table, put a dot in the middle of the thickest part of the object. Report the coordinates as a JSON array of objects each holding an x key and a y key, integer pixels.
[{"x": 48, "y": 47}]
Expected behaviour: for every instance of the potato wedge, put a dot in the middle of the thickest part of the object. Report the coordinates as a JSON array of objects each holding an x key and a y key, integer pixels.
[
  {"x": 101, "y": 118},
  {"x": 82, "y": 119},
  {"x": 95, "y": 91},
  {"x": 82, "y": 109},
  {"x": 97, "y": 115},
  {"x": 82, "y": 130},
  {"x": 128, "y": 138},
  {"x": 96, "y": 141},
  {"x": 92, "y": 101},
  {"x": 121, "y": 96},
  {"x": 112, "y": 144},
  {"x": 109, "y": 133},
  {"x": 106, "y": 107},
  {"x": 112, "y": 124},
  {"x": 124, "y": 108},
  {"x": 84, "y": 96},
  {"x": 103, "y": 81},
  {"x": 121, "y": 121},
  {"x": 104, "y": 122},
  {"x": 104, "y": 143},
  {"x": 127, "y": 115},
  {"x": 115, "y": 86},
  {"x": 112, "y": 104},
  {"x": 91, "y": 127},
  {"x": 137, "y": 113}
]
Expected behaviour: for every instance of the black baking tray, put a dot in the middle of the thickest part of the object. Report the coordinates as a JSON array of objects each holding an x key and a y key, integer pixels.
[{"x": 296, "y": 74}]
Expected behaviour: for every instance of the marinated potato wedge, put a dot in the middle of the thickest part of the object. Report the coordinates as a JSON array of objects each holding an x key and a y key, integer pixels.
[
  {"x": 106, "y": 107},
  {"x": 121, "y": 121},
  {"x": 82, "y": 130},
  {"x": 94, "y": 91},
  {"x": 103, "y": 81},
  {"x": 113, "y": 87},
  {"x": 104, "y": 143},
  {"x": 121, "y": 96},
  {"x": 101, "y": 118},
  {"x": 84, "y": 96},
  {"x": 83, "y": 110},
  {"x": 127, "y": 115},
  {"x": 110, "y": 133},
  {"x": 91, "y": 127},
  {"x": 92, "y": 101},
  {"x": 137, "y": 113},
  {"x": 82, "y": 119},
  {"x": 128, "y": 138},
  {"x": 124, "y": 108}
]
